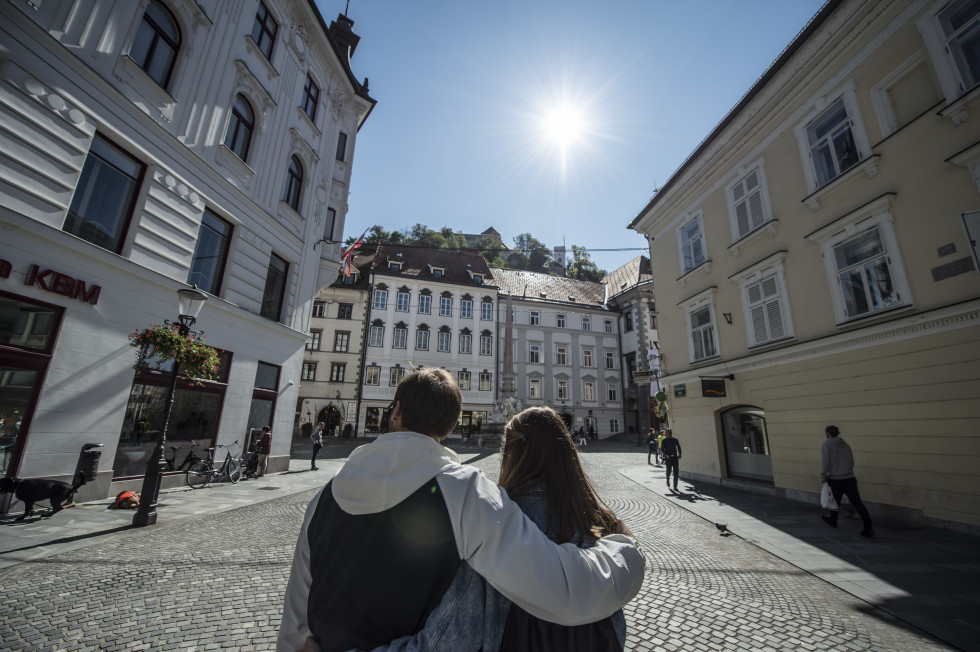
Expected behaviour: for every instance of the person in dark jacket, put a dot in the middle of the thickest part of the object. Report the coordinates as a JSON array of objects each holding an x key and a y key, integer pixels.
[
  {"x": 317, "y": 438},
  {"x": 652, "y": 448},
  {"x": 265, "y": 448},
  {"x": 837, "y": 470},
  {"x": 670, "y": 451}
]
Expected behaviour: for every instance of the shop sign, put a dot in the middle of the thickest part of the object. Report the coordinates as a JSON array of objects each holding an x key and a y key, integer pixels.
[
  {"x": 56, "y": 282},
  {"x": 712, "y": 387},
  {"x": 680, "y": 391}
]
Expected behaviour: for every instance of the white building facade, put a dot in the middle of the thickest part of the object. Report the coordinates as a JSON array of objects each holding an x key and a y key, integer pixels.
[{"x": 147, "y": 147}]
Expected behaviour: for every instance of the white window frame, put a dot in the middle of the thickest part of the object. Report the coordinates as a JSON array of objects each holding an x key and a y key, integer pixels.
[
  {"x": 425, "y": 304},
  {"x": 376, "y": 336},
  {"x": 399, "y": 338},
  {"x": 534, "y": 354},
  {"x": 874, "y": 215},
  {"x": 421, "y": 340},
  {"x": 613, "y": 393},
  {"x": 754, "y": 222},
  {"x": 380, "y": 300},
  {"x": 486, "y": 381},
  {"x": 587, "y": 358},
  {"x": 465, "y": 343},
  {"x": 561, "y": 390},
  {"x": 858, "y": 133},
  {"x": 486, "y": 310},
  {"x": 951, "y": 78},
  {"x": 588, "y": 391},
  {"x": 702, "y": 301},
  {"x": 682, "y": 244},
  {"x": 372, "y": 375},
  {"x": 534, "y": 388},
  {"x": 610, "y": 360},
  {"x": 466, "y": 309},
  {"x": 395, "y": 376},
  {"x": 586, "y": 323},
  {"x": 768, "y": 272},
  {"x": 486, "y": 345},
  {"x": 534, "y": 318},
  {"x": 402, "y": 301},
  {"x": 464, "y": 379},
  {"x": 614, "y": 425},
  {"x": 445, "y": 306},
  {"x": 561, "y": 355},
  {"x": 560, "y": 320},
  {"x": 443, "y": 341},
  {"x": 309, "y": 371}
]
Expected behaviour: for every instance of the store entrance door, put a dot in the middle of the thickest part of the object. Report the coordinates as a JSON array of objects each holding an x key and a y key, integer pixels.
[{"x": 747, "y": 443}]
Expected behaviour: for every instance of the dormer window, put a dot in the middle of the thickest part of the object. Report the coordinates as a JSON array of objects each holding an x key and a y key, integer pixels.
[
  {"x": 478, "y": 279},
  {"x": 395, "y": 265},
  {"x": 437, "y": 272}
]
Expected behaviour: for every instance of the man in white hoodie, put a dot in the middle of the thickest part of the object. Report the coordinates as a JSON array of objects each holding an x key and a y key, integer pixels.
[
  {"x": 381, "y": 543},
  {"x": 837, "y": 470}
]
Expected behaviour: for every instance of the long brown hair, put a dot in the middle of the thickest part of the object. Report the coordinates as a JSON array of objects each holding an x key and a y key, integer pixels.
[{"x": 538, "y": 448}]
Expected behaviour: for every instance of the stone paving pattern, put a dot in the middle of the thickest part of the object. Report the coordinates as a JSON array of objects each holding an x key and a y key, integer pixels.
[{"x": 216, "y": 581}]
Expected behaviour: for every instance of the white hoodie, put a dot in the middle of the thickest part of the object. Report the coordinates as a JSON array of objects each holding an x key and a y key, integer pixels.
[{"x": 563, "y": 584}]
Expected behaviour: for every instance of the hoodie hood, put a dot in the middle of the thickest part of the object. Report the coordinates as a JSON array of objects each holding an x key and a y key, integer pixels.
[
  {"x": 382, "y": 474},
  {"x": 836, "y": 442}
]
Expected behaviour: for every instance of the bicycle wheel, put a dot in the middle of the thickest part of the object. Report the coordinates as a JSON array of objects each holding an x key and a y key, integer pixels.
[
  {"x": 233, "y": 469},
  {"x": 199, "y": 474}
]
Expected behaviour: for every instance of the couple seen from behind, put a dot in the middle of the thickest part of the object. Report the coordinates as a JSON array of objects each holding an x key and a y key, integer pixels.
[{"x": 408, "y": 549}]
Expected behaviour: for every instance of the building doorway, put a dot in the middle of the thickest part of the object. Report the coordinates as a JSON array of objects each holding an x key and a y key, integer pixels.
[{"x": 747, "y": 443}]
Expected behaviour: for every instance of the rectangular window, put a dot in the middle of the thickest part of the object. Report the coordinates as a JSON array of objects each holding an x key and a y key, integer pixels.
[
  {"x": 437, "y": 272},
  {"x": 422, "y": 340},
  {"x": 535, "y": 318},
  {"x": 400, "y": 338},
  {"x": 464, "y": 380},
  {"x": 275, "y": 288},
  {"x": 960, "y": 22},
  {"x": 864, "y": 273},
  {"x": 345, "y": 311},
  {"x": 608, "y": 325},
  {"x": 466, "y": 309},
  {"x": 394, "y": 266},
  {"x": 377, "y": 336},
  {"x": 309, "y": 371},
  {"x": 614, "y": 425},
  {"x": 613, "y": 393},
  {"x": 337, "y": 371},
  {"x": 264, "y": 31},
  {"x": 328, "y": 225},
  {"x": 341, "y": 341},
  {"x": 561, "y": 355},
  {"x": 692, "y": 244},
  {"x": 210, "y": 253},
  {"x": 747, "y": 204},
  {"x": 445, "y": 306},
  {"x": 486, "y": 381},
  {"x": 442, "y": 342},
  {"x": 486, "y": 311},
  {"x": 311, "y": 97},
  {"x": 534, "y": 354},
  {"x": 562, "y": 390},
  {"x": 319, "y": 308},
  {"x": 610, "y": 360},
  {"x": 587, "y": 357},
  {"x": 560, "y": 320},
  {"x": 381, "y": 299},
  {"x": 534, "y": 388},
  {"x": 342, "y": 146},
  {"x": 586, "y": 323},
  {"x": 314, "y": 342},
  {"x": 425, "y": 304},
  {"x": 465, "y": 343},
  {"x": 765, "y": 310},
  {"x": 401, "y": 301},
  {"x": 372, "y": 375},
  {"x": 831, "y": 142},
  {"x": 588, "y": 393},
  {"x": 486, "y": 345},
  {"x": 628, "y": 321},
  {"x": 702, "y": 334},
  {"x": 397, "y": 373},
  {"x": 105, "y": 196}
]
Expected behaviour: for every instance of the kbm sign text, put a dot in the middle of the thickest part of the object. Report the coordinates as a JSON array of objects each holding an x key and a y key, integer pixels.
[{"x": 56, "y": 282}]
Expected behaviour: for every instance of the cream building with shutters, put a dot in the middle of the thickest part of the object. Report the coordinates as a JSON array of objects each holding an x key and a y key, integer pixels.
[
  {"x": 146, "y": 147},
  {"x": 815, "y": 263}
]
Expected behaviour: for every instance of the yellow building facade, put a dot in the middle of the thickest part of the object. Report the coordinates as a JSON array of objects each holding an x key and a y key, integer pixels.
[{"x": 815, "y": 263}]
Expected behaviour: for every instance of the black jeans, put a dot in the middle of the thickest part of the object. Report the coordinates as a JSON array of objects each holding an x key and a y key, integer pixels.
[
  {"x": 849, "y": 487},
  {"x": 672, "y": 463},
  {"x": 316, "y": 449},
  {"x": 656, "y": 454}
]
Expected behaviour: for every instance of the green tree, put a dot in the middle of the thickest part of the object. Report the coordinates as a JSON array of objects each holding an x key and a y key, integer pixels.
[
  {"x": 492, "y": 249},
  {"x": 582, "y": 267},
  {"x": 534, "y": 253}
]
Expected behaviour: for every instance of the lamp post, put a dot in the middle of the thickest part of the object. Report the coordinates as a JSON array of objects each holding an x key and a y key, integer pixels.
[{"x": 189, "y": 304}]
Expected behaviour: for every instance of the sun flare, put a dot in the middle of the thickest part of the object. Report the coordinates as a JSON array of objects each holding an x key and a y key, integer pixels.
[{"x": 563, "y": 125}]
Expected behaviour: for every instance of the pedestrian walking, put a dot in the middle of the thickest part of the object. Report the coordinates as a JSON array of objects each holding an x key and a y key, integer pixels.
[
  {"x": 581, "y": 437},
  {"x": 837, "y": 470},
  {"x": 652, "y": 447},
  {"x": 265, "y": 448},
  {"x": 592, "y": 433},
  {"x": 670, "y": 450},
  {"x": 404, "y": 513},
  {"x": 660, "y": 441},
  {"x": 317, "y": 438}
]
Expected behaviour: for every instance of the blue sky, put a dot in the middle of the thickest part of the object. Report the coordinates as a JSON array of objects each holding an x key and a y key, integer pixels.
[{"x": 554, "y": 117}]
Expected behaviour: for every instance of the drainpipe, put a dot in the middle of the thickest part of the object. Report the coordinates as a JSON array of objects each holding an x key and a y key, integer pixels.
[{"x": 364, "y": 349}]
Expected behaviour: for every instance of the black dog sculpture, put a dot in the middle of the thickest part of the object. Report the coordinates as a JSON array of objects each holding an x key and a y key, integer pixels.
[{"x": 32, "y": 490}]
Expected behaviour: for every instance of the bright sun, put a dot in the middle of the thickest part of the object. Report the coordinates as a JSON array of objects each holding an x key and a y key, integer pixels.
[{"x": 563, "y": 125}]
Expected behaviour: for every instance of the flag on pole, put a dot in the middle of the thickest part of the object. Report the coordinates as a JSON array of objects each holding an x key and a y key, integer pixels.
[{"x": 347, "y": 257}]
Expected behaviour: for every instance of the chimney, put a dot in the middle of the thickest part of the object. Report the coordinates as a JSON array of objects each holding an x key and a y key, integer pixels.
[{"x": 342, "y": 33}]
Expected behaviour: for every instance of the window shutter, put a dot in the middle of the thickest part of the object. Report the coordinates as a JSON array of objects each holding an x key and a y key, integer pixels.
[
  {"x": 755, "y": 209},
  {"x": 774, "y": 315},
  {"x": 742, "y": 218},
  {"x": 759, "y": 331}
]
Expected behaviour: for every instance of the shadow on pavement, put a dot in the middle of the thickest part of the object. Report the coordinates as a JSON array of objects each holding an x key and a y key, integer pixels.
[{"x": 79, "y": 537}]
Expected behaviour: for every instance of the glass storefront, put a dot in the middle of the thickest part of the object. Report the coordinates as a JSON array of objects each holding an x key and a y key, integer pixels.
[{"x": 747, "y": 443}]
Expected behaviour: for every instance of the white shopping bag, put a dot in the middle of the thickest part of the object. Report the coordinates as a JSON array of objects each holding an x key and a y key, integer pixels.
[{"x": 827, "y": 498}]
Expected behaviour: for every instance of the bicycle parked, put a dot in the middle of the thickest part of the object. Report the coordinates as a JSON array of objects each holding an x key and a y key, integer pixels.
[
  {"x": 188, "y": 461},
  {"x": 202, "y": 472}
]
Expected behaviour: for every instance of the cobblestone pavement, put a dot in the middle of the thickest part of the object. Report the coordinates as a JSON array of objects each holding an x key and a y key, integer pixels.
[{"x": 216, "y": 582}]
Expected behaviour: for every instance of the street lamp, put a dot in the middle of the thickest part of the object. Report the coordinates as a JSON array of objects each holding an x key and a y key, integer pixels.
[{"x": 189, "y": 304}]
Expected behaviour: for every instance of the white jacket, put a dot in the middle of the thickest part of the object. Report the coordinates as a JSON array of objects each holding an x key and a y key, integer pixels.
[{"x": 560, "y": 583}]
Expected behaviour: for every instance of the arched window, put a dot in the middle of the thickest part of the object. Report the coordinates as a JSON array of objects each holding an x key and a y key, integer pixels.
[
  {"x": 157, "y": 42},
  {"x": 240, "y": 127},
  {"x": 294, "y": 183}
]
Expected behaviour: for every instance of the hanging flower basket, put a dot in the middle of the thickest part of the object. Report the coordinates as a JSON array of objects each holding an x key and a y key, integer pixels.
[{"x": 197, "y": 359}]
